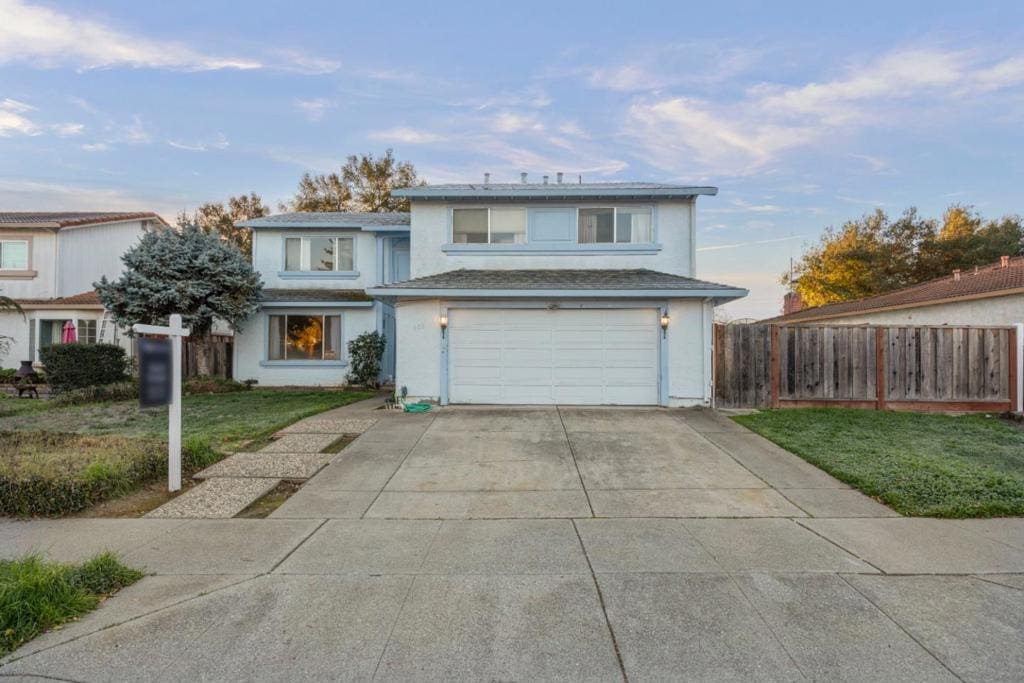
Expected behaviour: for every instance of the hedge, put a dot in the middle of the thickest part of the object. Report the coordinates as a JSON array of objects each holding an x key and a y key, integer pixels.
[{"x": 73, "y": 366}]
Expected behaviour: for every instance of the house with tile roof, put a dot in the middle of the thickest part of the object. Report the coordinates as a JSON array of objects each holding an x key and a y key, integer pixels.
[
  {"x": 990, "y": 295},
  {"x": 499, "y": 293},
  {"x": 48, "y": 264}
]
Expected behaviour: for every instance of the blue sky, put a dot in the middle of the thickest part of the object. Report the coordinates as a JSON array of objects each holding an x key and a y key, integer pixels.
[{"x": 803, "y": 114}]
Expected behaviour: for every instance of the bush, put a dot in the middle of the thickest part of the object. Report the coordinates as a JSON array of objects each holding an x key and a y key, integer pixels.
[
  {"x": 364, "y": 354},
  {"x": 214, "y": 385},
  {"x": 36, "y": 595},
  {"x": 73, "y": 366},
  {"x": 119, "y": 391},
  {"x": 7, "y": 375}
]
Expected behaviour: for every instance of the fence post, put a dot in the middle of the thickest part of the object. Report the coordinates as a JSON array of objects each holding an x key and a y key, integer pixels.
[
  {"x": 880, "y": 373},
  {"x": 1016, "y": 342},
  {"x": 776, "y": 367}
]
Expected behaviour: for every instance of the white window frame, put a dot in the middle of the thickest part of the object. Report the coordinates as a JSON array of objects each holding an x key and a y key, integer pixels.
[
  {"x": 28, "y": 254},
  {"x": 615, "y": 222},
  {"x": 522, "y": 209},
  {"x": 304, "y": 253},
  {"x": 87, "y": 322},
  {"x": 340, "y": 360}
]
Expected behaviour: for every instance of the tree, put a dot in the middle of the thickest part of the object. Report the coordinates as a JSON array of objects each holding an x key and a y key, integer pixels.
[
  {"x": 220, "y": 219},
  {"x": 874, "y": 255},
  {"x": 190, "y": 272},
  {"x": 364, "y": 184},
  {"x": 7, "y": 304}
]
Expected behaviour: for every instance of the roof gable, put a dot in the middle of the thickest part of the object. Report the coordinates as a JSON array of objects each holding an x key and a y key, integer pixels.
[{"x": 67, "y": 219}]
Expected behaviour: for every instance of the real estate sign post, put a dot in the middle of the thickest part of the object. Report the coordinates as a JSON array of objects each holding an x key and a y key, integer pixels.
[{"x": 160, "y": 384}]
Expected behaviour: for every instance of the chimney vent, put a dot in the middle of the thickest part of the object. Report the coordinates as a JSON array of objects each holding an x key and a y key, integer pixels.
[
  {"x": 487, "y": 178},
  {"x": 956, "y": 274},
  {"x": 558, "y": 177},
  {"x": 545, "y": 180},
  {"x": 522, "y": 178},
  {"x": 1004, "y": 261}
]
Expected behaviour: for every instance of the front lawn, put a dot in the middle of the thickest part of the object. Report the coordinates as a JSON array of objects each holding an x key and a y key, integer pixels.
[
  {"x": 59, "y": 459},
  {"x": 918, "y": 464},
  {"x": 36, "y": 594}
]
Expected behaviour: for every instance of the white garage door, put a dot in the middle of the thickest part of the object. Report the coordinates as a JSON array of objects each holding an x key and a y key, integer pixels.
[{"x": 591, "y": 356}]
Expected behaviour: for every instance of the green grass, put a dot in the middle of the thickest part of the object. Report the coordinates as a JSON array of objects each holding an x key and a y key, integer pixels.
[
  {"x": 223, "y": 421},
  {"x": 919, "y": 464},
  {"x": 60, "y": 459},
  {"x": 36, "y": 595}
]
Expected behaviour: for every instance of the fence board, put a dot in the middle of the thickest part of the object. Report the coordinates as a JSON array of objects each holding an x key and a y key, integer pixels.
[{"x": 938, "y": 367}]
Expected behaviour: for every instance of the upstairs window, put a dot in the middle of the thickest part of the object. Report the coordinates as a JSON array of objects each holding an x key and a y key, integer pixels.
[
  {"x": 623, "y": 225},
  {"x": 14, "y": 255},
  {"x": 489, "y": 226},
  {"x": 313, "y": 254}
]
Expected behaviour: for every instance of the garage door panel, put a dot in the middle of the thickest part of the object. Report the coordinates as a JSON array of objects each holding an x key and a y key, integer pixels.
[{"x": 572, "y": 356}]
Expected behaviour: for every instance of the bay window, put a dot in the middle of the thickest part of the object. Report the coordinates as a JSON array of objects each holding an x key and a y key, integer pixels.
[
  {"x": 13, "y": 254},
  {"x": 489, "y": 226},
  {"x": 622, "y": 225},
  {"x": 319, "y": 254},
  {"x": 297, "y": 336}
]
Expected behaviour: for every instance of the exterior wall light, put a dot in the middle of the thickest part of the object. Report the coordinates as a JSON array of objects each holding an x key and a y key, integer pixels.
[
  {"x": 664, "y": 323},
  {"x": 443, "y": 322}
]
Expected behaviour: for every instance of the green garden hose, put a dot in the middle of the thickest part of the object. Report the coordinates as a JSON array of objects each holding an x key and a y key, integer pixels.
[{"x": 416, "y": 407}]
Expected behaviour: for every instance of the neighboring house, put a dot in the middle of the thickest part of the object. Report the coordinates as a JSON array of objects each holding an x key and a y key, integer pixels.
[
  {"x": 988, "y": 296},
  {"x": 555, "y": 293},
  {"x": 48, "y": 264},
  {"x": 316, "y": 268}
]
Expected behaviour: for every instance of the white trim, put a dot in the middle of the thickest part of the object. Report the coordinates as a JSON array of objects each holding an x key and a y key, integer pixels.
[{"x": 717, "y": 294}]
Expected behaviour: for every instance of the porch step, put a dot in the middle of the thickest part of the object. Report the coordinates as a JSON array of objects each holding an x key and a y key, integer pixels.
[{"x": 215, "y": 499}]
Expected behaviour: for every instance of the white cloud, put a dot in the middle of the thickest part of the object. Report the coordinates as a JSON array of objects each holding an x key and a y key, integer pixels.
[
  {"x": 407, "y": 136},
  {"x": 218, "y": 142},
  {"x": 95, "y": 147},
  {"x": 45, "y": 37},
  {"x": 13, "y": 120},
  {"x": 134, "y": 133},
  {"x": 68, "y": 129},
  {"x": 293, "y": 60},
  {"x": 508, "y": 122},
  {"x": 767, "y": 120},
  {"x": 625, "y": 78},
  {"x": 313, "y": 109}
]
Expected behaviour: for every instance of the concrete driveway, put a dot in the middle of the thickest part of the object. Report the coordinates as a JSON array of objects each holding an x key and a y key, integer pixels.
[{"x": 549, "y": 544}]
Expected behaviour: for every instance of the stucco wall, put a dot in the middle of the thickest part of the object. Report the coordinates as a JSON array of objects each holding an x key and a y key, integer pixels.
[
  {"x": 268, "y": 260},
  {"x": 418, "y": 359},
  {"x": 430, "y": 233},
  {"x": 251, "y": 350},
  {"x": 1003, "y": 310},
  {"x": 689, "y": 356},
  {"x": 86, "y": 253}
]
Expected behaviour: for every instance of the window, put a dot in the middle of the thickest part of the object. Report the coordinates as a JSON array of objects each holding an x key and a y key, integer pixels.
[
  {"x": 86, "y": 331},
  {"x": 621, "y": 226},
  {"x": 304, "y": 337},
  {"x": 317, "y": 254},
  {"x": 14, "y": 255},
  {"x": 489, "y": 226}
]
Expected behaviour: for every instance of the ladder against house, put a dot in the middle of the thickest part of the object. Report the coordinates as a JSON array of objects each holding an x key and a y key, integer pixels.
[{"x": 107, "y": 334}]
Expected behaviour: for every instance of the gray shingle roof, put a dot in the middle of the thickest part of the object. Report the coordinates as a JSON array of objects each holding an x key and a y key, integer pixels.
[
  {"x": 567, "y": 282},
  {"x": 624, "y": 190},
  {"x": 305, "y": 295},
  {"x": 63, "y": 219},
  {"x": 330, "y": 219}
]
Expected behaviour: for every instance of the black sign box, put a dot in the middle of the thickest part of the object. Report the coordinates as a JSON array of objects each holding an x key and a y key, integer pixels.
[{"x": 155, "y": 380}]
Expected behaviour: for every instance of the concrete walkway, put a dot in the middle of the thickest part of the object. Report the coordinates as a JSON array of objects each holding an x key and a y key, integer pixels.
[{"x": 551, "y": 544}]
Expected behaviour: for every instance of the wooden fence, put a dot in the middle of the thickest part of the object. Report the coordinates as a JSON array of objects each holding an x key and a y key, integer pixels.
[
  {"x": 897, "y": 368},
  {"x": 221, "y": 357}
]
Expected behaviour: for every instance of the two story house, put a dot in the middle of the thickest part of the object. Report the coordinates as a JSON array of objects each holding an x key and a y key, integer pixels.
[
  {"x": 316, "y": 268},
  {"x": 555, "y": 293},
  {"x": 48, "y": 264},
  {"x": 495, "y": 293}
]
